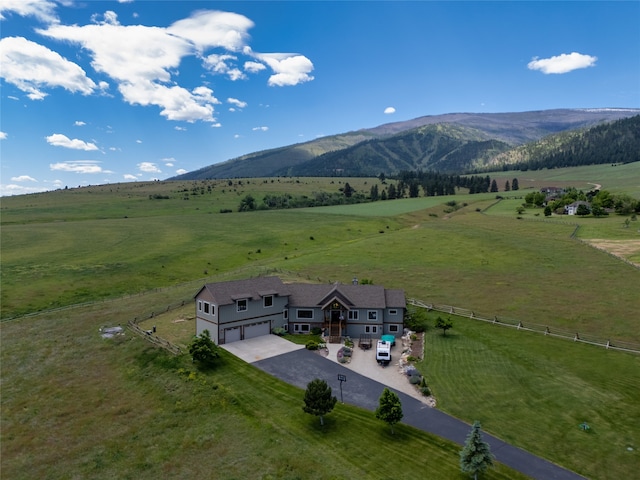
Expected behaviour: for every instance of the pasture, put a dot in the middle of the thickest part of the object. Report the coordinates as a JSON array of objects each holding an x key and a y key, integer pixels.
[{"x": 105, "y": 245}]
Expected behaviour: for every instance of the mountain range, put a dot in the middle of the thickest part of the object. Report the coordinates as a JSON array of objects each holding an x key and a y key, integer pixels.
[{"x": 450, "y": 143}]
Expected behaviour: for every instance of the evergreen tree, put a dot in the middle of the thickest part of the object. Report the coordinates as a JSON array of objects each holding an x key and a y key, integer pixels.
[
  {"x": 347, "y": 190},
  {"x": 374, "y": 194},
  {"x": 390, "y": 408},
  {"x": 318, "y": 400},
  {"x": 494, "y": 186},
  {"x": 507, "y": 187},
  {"x": 514, "y": 184},
  {"x": 392, "y": 192},
  {"x": 476, "y": 455}
]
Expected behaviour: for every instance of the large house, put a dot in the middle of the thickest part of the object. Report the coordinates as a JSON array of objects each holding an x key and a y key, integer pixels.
[{"x": 243, "y": 309}]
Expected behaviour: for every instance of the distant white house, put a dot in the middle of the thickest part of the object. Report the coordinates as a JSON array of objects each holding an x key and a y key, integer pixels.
[
  {"x": 572, "y": 208},
  {"x": 243, "y": 309}
]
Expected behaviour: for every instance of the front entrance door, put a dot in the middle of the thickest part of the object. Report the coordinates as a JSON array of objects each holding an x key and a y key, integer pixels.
[{"x": 336, "y": 323}]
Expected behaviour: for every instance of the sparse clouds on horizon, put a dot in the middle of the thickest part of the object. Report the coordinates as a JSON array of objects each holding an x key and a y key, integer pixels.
[
  {"x": 79, "y": 166},
  {"x": 563, "y": 63}
]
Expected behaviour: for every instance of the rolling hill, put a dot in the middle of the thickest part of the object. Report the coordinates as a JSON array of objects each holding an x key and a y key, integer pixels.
[{"x": 452, "y": 143}]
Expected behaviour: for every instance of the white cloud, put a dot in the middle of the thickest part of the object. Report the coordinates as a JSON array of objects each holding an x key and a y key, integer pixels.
[
  {"x": 263, "y": 129},
  {"x": 23, "y": 178},
  {"x": 7, "y": 190},
  {"x": 291, "y": 69},
  {"x": 254, "y": 67},
  {"x": 389, "y": 110},
  {"x": 180, "y": 129},
  {"x": 59, "y": 140},
  {"x": 128, "y": 176},
  {"x": 149, "y": 167},
  {"x": 181, "y": 171},
  {"x": 43, "y": 10},
  {"x": 563, "y": 63},
  {"x": 236, "y": 102},
  {"x": 3, "y": 135},
  {"x": 223, "y": 65},
  {"x": 32, "y": 67},
  {"x": 213, "y": 29},
  {"x": 144, "y": 60},
  {"x": 78, "y": 166},
  {"x": 79, "y": 123}
]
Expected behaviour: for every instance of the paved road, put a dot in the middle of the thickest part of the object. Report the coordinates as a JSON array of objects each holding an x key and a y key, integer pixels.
[{"x": 301, "y": 366}]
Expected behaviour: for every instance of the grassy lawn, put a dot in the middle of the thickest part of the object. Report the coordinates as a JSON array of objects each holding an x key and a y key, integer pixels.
[
  {"x": 534, "y": 391},
  {"x": 73, "y": 402}
]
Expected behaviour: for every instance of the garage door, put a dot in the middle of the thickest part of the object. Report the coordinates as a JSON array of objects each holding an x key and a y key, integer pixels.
[
  {"x": 256, "y": 330},
  {"x": 231, "y": 335}
]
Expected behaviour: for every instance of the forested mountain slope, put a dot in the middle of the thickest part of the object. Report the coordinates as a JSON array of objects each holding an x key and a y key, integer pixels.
[{"x": 452, "y": 143}]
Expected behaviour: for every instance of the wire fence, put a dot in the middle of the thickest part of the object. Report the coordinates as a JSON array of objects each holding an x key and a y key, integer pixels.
[{"x": 529, "y": 327}]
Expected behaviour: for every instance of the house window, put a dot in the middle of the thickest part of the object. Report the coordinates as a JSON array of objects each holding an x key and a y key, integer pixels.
[
  {"x": 301, "y": 328},
  {"x": 267, "y": 301},
  {"x": 199, "y": 305},
  {"x": 285, "y": 314},
  {"x": 306, "y": 314},
  {"x": 242, "y": 305},
  {"x": 393, "y": 328},
  {"x": 372, "y": 315},
  {"x": 206, "y": 307},
  {"x": 393, "y": 312},
  {"x": 371, "y": 329},
  {"x": 353, "y": 315}
]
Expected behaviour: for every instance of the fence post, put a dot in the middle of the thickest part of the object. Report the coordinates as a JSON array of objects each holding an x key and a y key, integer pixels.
[
  {"x": 576, "y": 338},
  {"x": 520, "y": 325}
]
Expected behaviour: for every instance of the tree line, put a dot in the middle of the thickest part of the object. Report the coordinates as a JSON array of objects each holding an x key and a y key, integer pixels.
[{"x": 407, "y": 184}]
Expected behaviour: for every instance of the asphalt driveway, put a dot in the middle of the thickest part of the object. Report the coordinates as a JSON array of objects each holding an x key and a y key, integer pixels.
[{"x": 298, "y": 366}]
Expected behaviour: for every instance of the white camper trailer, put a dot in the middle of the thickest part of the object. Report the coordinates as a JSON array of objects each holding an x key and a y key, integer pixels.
[{"x": 383, "y": 352}]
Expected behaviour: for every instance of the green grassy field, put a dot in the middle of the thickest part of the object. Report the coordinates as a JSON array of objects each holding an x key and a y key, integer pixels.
[
  {"x": 77, "y": 406},
  {"x": 108, "y": 406}
]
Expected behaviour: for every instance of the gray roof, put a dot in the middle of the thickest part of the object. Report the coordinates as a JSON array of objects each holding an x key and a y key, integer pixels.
[
  {"x": 305, "y": 294},
  {"x": 226, "y": 293}
]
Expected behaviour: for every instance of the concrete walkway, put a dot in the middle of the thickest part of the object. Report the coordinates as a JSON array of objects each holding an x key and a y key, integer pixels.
[{"x": 299, "y": 366}]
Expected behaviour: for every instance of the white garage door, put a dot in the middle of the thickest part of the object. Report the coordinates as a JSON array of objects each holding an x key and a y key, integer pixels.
[
  {"x": 256, "y": 330},
  {"x": 231, "y": 335}
]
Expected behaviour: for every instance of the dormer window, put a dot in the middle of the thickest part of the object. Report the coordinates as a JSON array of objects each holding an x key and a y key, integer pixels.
[
  {"x": 242, "y": 305},
  {"x": 267, "y": 301}
]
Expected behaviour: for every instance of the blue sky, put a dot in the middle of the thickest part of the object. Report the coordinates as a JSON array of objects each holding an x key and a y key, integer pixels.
[{"x": 99, "y": 92}]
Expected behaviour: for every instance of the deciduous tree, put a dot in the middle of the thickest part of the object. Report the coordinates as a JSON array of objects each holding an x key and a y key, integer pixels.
[
  {"x": 390, "y": 408},
  {"x": 443, "y": 324},
  {"x": 203, "y": 350}
]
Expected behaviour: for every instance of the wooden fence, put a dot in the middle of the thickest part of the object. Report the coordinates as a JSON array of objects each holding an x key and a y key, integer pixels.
[
  {"x": 529, "y": 327},
  {"x": 150, "y": 335}
]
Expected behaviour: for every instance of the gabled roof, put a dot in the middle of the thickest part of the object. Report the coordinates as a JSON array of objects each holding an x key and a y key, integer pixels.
[
  {"x": 351, "y": 296},
  {"x": 226, "y": 293}
]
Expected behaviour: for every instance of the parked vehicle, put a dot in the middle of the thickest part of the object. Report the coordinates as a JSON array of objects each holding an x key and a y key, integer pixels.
[{"x": 383, "y": 352}]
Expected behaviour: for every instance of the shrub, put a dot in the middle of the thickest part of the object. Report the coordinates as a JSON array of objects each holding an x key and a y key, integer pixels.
[
  {"x": 411, "y": 358},
  {"x": 426, "y": 391},
  {"x": 316, "y": 331},
  {"x": 311, "y": 345},
  {"x": 415, "y": 379},
  {"x": 346, "y": 351},
  {"x": 278, "y": 331}
]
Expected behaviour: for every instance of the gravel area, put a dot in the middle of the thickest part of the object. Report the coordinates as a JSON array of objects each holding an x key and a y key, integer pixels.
[{"x": 364, "y": 362}]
